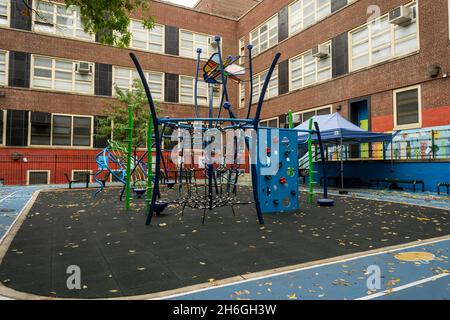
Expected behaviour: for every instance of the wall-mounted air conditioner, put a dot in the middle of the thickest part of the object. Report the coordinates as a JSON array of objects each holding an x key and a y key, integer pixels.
[
  {"x": 401, "y": 16},
  {"x": 84, "y": 68},
  {"x": 41, "y": 118},
  {"x": 321, "y": 51}
]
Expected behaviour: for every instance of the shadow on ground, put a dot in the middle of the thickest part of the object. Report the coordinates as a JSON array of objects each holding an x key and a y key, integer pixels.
[{"x": 120, "y": 256}]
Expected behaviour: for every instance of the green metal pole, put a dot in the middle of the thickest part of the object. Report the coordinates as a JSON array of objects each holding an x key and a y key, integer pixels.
[
  {"x": 311, "y": 164},
  {"x": 291, "y": 120},
  {"x": 129, "y": 151},
  {"x": 150, "y": 161}
]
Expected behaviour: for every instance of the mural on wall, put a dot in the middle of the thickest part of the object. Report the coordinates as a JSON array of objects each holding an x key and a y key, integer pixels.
[{"x": 420, "y": 144}]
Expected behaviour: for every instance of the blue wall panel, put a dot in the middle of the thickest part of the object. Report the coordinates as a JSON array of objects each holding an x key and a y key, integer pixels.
[{"x": 430, "y": 172}]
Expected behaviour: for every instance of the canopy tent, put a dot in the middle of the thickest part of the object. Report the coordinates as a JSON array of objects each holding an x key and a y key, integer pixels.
[{"x": 336, "y": 130}]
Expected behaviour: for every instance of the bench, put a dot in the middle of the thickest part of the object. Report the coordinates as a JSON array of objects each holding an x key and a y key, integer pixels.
[
  {"x": 70, "y": 181},
  {"x": 443, "y": 184},
  {"x": 397, "y": 181}
]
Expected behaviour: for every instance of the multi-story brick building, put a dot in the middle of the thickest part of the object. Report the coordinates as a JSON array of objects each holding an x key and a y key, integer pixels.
[{"x": 383, "y": 75}]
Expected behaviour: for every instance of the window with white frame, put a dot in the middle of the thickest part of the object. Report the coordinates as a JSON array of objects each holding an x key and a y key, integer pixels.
[
  {"x": 303, "y": 13},
  {"x": 380, "y": 40},
  {"x": 4, "y": 12},
  {"x": 145, "y": 39},
  {"x": 61, "y": 75},
  {"x": 241, "y": 95},
  {"x": 2, "y": 126},
  {"x": 124, "y": 77},
  {"x": 191, "y": 41},
  {"x": 407, "y": 108},
  {"x": 306, "y": 69},
  {"x": 54, "y": 18},
  {"x": 270, "y": 123},
  {"x": 302, "y": 116},
  {"x": 242, "y": 51},
  {"x": 38, "y": 177},
  {"x": 265, "y": 36},
  {"x": 187, "y": 88},
  {"x": 3, "y": 68},
  {"x": 258, "y": 82},
  {"x": 63, "y": 130}
]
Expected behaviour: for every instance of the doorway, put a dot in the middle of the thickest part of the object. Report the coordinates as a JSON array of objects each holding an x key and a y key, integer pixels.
[{"x": 360, "y": 115}]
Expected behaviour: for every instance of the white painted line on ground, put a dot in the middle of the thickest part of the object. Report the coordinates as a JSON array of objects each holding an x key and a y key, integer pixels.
[
  {"x": 406, "y": 286},
  {"x": 8, "y": 196},
  {"x": 299, "y": 269}
]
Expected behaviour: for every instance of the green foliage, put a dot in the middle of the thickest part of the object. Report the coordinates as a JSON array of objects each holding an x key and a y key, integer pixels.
[
  {"x": 111, "y": 18},
  {"x": 118, "y": 116}
]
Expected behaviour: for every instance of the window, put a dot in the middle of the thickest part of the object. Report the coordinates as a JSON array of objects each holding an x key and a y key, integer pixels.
[
  {"x": 303, "y": 13},
  {"x": 380, "y": 40},
  {"x": 300, "y": 117},
  {"x": 407, "y": 108},
  {"x": 2, "y": 127},
  {"x": 57, "y": 74},
  {"x": 258, "y": 82},
  {"x": 187, "y": 88},
  {"x": 242, "y": 51},
  {"x": 241, "y": 95},
  {"x": 306, "y": 69},
  {"x": 36, "y": 177},
  {"x": 49, "y": 17},
  {"x": 265, "y": 36},
  {"x": 145, "y": 39},
  {"x": 63, "y": 130},
  {"x": 4, "y": 13},
  {"x": 123, "y": 79},
  {"x": 270, "y": 123},
  {"x": 191, "y": 41},
  {"x": 3, "y": 68}
]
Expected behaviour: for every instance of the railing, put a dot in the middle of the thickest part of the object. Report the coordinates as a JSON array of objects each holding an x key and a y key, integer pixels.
[{"x": 408, "y": 145}]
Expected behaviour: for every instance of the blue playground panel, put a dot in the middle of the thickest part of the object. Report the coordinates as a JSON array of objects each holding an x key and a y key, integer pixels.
[
  {"x": 278, "y": 173},
  {"x": 346, "y": 279}
]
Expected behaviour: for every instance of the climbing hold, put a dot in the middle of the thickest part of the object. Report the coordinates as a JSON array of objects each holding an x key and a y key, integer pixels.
[{"x": 283, "y": 180}]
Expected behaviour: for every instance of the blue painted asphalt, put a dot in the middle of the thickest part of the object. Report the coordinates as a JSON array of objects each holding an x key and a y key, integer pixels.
[
  {"x": 345, "y": 280},
  {"x": 12, "y": 201}
]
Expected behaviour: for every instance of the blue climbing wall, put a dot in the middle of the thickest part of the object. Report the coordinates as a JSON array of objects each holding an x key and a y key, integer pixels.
[{"x": 277, "y": 170}]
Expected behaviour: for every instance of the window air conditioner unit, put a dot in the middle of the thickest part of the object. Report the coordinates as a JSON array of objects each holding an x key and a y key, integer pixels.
[
  {"x": 321, "y": 51},
  {"x": 401, "y": 16},
  {"x": 83, "y": 68},
  {"x": 212, "y": 42},
  {"x": 42, "y": 118}
]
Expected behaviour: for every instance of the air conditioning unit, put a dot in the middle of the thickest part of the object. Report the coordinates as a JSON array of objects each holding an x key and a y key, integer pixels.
[
  {"x": 401, "y": 16},
  {"x": 84, "y": 68},
  {"x": 212, "y": 42},
  {"x": 41, "y": 118},
  {"x": 321, "y": 51}
]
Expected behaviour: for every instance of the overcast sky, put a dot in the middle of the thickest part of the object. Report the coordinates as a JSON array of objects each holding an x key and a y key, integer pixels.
[{"x": 187, "y": 3}]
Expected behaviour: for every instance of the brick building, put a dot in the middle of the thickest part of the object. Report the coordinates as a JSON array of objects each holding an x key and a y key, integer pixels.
[{"x": 385, "y": 74}]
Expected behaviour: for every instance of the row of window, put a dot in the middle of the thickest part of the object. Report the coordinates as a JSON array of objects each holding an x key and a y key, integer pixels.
[
  {"x": 56, "y": 18},
  {"x": 63, "y": 75},
  {"x": 370, "y": 44},
  {"x": 301, "y": 15},
  {"x": 407, "y": 107},
  {"x": 78, "y": 131}
]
